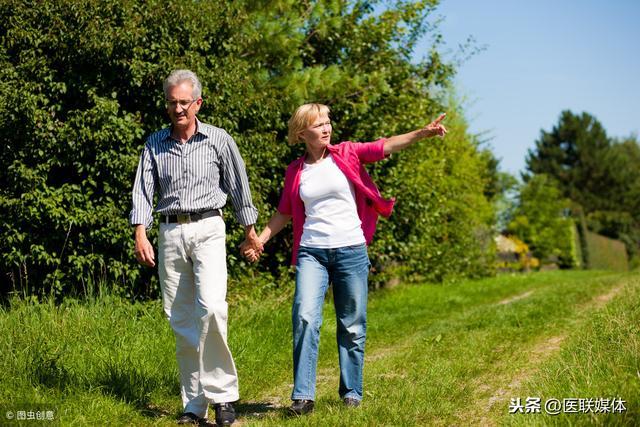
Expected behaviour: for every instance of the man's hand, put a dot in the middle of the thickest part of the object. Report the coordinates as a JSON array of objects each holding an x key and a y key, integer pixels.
[
  {"x": 250, "y": 255},
  {"x": 252, "y": 246},
  {"x": 143, "y": 249}
]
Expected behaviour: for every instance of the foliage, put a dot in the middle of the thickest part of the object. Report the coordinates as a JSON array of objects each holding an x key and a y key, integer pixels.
[
  {"x": 505, "y": 198},
  {"x": 595, "y": 171},
  {"x": 440, "y": 228},
  {"x": 572, "y": 154},
  {"x": 540, "y": 221},
  {"x": 605, "y": 253},
  {"x": 80, "y": 85}
]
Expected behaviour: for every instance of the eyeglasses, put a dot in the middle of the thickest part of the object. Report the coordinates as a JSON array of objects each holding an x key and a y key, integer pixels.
[{"x": 185, "y": 104}]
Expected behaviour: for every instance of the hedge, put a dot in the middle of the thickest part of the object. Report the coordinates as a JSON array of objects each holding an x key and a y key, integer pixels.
[
  {"x": 80, "y": 88},
  {"x": 606, "y": 253}
]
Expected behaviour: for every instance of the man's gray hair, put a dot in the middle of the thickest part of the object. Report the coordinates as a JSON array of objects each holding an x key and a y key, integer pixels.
[{"x": 179, "y": 76}]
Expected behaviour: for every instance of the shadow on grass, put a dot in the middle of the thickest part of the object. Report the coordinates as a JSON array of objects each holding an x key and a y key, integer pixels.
[
  {"x": 257, "y": 410},
  {"x": 127, "y": 382},
  {"x": 135, "y": 386},
  {"x": 121, "y": 380}
]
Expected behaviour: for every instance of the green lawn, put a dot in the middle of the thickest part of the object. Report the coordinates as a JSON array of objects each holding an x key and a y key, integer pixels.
[{"x": 454, "y": 354}]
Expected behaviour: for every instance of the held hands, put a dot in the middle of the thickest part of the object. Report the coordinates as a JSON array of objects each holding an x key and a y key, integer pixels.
[
  {"x": 252, "y": 246},
  {"x": 250, "y": 254},
  {"x": 434, "y": 128}
]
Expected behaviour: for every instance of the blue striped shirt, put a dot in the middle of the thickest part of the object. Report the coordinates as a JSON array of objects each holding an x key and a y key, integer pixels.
[{"x": 191, "y": 177}]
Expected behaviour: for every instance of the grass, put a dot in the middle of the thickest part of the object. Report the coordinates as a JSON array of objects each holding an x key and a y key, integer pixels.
[{"x": 436, "y": 355}]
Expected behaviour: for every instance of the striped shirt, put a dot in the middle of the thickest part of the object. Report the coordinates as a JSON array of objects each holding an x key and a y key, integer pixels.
[{"x": 191, "y": 177}]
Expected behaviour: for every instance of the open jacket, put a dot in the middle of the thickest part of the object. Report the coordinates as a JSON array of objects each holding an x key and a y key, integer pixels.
[{"x": 349, "y": 157}]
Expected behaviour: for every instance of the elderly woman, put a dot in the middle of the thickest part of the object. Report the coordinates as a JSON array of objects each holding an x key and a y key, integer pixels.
[{"x": 334, "y": 205}]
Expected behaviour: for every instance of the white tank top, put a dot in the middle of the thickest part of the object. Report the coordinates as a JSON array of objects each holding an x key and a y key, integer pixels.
[{"x": 330, "y": 206}]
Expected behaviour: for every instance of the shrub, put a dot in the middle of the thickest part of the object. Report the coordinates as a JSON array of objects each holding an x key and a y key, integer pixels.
[
  {"x": 81, "y": 88},
  {"x": 541, "y": 222},
  {"x": 606, "y": 253}
]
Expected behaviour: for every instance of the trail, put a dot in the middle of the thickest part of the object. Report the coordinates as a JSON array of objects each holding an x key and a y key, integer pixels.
[
  {"x": 502, "y": 389},
  {"x": 489, "y": 392}
]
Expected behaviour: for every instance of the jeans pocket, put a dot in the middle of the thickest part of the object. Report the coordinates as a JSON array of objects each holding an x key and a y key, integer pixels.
[{"x": 359, "y": 255}]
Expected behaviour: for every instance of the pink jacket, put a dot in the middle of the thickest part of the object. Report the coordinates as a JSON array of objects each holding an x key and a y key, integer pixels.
[{"x": 349, "y": 157}]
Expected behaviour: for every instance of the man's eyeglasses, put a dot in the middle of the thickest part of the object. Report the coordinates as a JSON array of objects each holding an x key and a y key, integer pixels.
[{"x": 185, "y": 104}]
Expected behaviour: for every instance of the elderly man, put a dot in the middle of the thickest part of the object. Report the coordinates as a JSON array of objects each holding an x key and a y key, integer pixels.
[{"x": 194, "y": 166}]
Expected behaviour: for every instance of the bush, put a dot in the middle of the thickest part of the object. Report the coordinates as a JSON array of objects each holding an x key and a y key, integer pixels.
[
  {"x": 81, "y": 89},
  {"x": 606, "y": 253},
  {"x": 540, "y": 220}
]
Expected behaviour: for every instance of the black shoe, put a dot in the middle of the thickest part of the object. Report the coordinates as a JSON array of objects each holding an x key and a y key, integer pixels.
[
  {"x": 301, "y": 406},
  {"x": 225, "y": 414},
  {"x": 189, "y": 418},
  {"x": 351, "y": 402}
]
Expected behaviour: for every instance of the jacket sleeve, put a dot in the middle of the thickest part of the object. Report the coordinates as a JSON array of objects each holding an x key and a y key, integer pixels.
[
  {"x": 369, "y": 152},
  {"x": 285, "y": 206}
]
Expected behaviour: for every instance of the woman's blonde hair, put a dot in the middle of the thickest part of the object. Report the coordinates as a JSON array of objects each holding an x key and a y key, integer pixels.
[{"x": 302, "y": 118}]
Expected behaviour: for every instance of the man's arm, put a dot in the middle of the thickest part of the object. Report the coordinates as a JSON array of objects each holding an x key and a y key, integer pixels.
[
  {"x": 236, "y": 183},
  {"x": 141, "y": 216}
]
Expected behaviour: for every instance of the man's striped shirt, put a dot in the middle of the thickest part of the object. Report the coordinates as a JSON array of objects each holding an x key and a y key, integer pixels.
[{"x": 191, "y": 177}]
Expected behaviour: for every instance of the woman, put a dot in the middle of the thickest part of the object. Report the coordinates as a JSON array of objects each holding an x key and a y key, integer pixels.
[{"x": 334, "y": 205}]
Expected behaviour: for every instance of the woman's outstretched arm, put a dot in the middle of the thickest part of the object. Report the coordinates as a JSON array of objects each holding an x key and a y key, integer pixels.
[{"x": 400, "y": 142}]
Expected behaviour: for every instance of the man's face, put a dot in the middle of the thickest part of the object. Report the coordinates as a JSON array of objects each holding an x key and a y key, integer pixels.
[{"x": 181, "y": 106}]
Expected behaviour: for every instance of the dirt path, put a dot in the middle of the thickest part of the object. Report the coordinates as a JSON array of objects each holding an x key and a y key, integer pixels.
[
  {"x": 501, "y": 390},
  {"x": 489, "y": 392}
]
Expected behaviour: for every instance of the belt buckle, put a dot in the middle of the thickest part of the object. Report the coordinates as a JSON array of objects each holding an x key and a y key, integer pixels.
[{"x": 183, "y": 218}]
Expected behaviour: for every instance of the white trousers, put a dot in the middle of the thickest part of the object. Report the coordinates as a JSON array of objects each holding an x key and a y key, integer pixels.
[{"x": 193, "y": 277}]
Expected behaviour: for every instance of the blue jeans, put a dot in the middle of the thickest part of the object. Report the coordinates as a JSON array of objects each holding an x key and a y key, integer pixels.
[{"x": 347, "y": 269}]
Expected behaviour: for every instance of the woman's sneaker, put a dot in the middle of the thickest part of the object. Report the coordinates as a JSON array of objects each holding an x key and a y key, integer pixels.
[
  {"x": 350, "y": 402},
  {"x": 301, "y": 406}
]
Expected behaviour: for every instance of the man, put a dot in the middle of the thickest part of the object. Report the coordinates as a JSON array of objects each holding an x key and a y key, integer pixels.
[{"x": 194, "y": 166}]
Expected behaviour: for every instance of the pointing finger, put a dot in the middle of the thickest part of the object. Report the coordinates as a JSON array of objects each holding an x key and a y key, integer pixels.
[{"x": 439, "y": 119}]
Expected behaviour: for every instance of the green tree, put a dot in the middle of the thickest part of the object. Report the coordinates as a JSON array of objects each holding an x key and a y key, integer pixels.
[
  {"x": 505, "y": 200},
  {"x": 597, "y": 172},
  {"x": 572, "y": 154},
  {"x": 540, "y": 221},
  {"x": 80, "y": 89}
]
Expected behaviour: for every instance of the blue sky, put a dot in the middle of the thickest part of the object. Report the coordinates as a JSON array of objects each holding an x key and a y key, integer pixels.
[{"x": 540, "y": 58}]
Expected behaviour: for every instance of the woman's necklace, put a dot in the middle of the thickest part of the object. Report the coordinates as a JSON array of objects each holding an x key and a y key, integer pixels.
[{"x": 321, "y": 156}]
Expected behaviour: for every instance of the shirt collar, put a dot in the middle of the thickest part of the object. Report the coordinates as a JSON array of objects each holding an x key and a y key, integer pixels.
[{"x": 199, "y": 130}]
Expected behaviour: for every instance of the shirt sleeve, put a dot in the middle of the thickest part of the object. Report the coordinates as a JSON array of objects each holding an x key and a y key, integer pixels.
[
  {"x": 369, "y": 152},
  {"x": 236, "y": 183},
  {"x": 143, "y": 188}
]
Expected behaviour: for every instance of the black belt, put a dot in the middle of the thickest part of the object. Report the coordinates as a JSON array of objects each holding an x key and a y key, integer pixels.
[{"x": 187, "y": 217}]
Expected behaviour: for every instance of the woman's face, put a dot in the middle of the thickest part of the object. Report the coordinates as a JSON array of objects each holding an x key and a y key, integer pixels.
[{"x": 318, "y": 133}]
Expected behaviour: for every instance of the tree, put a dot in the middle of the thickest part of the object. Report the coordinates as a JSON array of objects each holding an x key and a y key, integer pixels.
[
  {"x": 572, "y": 154},
  {"x": 80, "y": 87},
  {"x": 540, "y": 220},
  {"x": 598, "y": 173}
]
